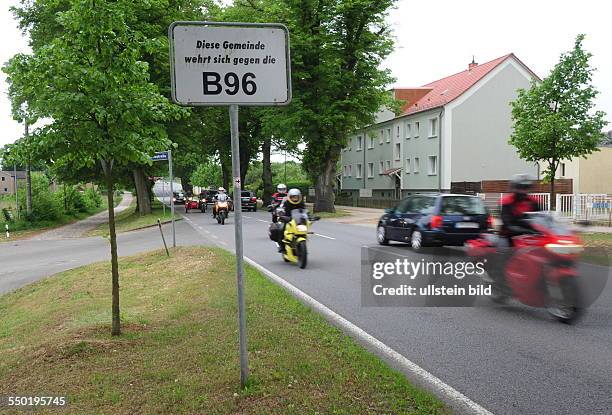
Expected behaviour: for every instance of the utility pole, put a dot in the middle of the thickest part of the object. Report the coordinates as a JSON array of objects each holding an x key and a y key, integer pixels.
[
  {"x": 28, "y": 173},
  {"x": 16, "y": 188}
]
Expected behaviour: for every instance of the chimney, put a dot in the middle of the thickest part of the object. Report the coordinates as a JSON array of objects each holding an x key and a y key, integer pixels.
[{"x": 472, "y": 64}]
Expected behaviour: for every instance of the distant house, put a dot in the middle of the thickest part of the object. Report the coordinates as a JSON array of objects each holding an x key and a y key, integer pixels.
[
  {"x": 590, "y": 174},
  {"x": 7, "y": 181},
  {"x": 452, "y": 134}
]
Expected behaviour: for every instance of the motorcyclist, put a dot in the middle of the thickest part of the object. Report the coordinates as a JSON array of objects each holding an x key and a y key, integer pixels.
[
  {"x": 293, "y": 201},
  {"x": 221, "y": 196},
  {"x": 281, "y": 192},
  {"x": 515, "y": 206}
]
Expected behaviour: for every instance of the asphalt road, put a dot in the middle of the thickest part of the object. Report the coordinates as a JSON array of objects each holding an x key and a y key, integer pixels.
[{"x": 513, "y": 360}]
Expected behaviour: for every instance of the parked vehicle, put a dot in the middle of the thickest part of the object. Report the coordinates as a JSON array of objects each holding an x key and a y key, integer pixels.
[
  {"x": 434, "y": 220},
  {"x": 294, "y": 236},
  {"x": 540, "y": 270},
  {"x": 209, "y": 195},
  {"x": 178, "y": 198},
  {"x": 192, "y": 203},
  {"x": 248, "y": 201}
]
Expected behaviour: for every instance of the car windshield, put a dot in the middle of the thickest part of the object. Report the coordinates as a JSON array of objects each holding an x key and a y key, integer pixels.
[
  {"x": 462, "y": 205},
  {"x": 246, "y": 194}
]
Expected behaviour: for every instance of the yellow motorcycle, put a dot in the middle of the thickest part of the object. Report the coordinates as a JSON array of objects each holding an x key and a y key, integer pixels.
[{"x": 297, "y": 228}]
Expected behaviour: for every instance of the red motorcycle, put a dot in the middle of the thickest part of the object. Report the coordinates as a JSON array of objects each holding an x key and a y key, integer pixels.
[{"x": 540, "y": 269}]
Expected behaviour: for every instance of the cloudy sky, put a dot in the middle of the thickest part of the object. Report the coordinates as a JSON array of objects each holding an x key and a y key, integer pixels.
[{"x": 439, "y": 38}]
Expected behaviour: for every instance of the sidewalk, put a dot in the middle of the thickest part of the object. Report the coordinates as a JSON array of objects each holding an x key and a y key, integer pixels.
[
  {"x": 358, "y": 216},
  {"x": 77, "y": 229}
]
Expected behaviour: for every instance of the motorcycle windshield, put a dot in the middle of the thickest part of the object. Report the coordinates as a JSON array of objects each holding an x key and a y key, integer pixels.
[
  {"x": 300, "y": 216},
  {"x": 542, "y": 220}
]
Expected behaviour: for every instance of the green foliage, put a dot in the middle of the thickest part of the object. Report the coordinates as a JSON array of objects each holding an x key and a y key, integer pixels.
[
  {"x": 295, "y": 174},
  {"x": 207, "y": 174},
  {"x": 46, "y": 205},
  {"x": 93, "y": 198},
  {"x": 554, "y": 120}
]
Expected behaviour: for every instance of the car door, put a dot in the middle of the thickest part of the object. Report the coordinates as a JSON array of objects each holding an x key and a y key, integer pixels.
[
  {"x": 420, "y": 208},
  {"x": 397, "y": 229}
]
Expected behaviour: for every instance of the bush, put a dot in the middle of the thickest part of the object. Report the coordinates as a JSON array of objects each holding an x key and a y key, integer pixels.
[
  {"x": 93, "y": 198},
  {"x": 45, "y": 204}
]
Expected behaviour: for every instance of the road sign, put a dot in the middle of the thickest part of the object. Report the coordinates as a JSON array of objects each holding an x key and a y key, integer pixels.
[
  {"x": 160, "y": 156},
  {"x": 229, "y": 63}
]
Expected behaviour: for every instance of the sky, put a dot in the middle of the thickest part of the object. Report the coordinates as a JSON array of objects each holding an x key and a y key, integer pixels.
[{"x": 437, "y": 39}]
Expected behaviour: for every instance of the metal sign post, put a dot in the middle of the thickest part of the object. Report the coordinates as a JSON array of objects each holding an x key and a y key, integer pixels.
[
  {"x": 231, "y": 64},
  {"x": 167, "y": 156}
]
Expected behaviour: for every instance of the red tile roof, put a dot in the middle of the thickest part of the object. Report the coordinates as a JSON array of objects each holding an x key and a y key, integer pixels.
[{"x": 445, "y": 90}]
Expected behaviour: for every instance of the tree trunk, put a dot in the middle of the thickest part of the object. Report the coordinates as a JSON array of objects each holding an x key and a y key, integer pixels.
[
  {"x": 324, "y": 188},
  {"x": 28, "y": 189},
  {"x": 553, "y": 197},
  {"x": 225, "y": 169},
  {"x": 142, "y": 192},
  {"x": 266, "y": 176},
  {"x": 116, "y": 320}
]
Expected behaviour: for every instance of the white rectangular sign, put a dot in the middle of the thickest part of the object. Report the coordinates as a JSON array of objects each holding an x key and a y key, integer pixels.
[{"x": 229, "y": 63}]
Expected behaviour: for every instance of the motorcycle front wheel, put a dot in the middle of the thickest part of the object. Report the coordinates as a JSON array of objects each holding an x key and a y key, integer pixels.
[
  {"x": 302, "y": 254},
  {"x": 566, "y": 308}
]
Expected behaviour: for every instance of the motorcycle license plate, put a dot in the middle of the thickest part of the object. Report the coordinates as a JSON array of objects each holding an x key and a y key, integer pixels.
[{"x": 466, "y": 225}]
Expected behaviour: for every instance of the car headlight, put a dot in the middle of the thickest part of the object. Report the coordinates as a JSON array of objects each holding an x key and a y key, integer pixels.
[
  {"x": 302, "y": 228},
  {"x": 565, "y": 249}
]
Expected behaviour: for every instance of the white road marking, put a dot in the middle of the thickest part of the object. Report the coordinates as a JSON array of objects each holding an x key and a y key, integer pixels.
[
  {"x": 449, "y": 395},
  {"x": 325, "y": 236},
  {"x": 261, "y": 220}
]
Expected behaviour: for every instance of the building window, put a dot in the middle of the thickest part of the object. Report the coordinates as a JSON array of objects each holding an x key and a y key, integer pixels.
[
  {"x": 398, "y": 132},
  {"x": 562, "y": 169},
  {"x": 3, "y": 178},
  {"x": 388, "y": 135},
  {"x": 358, "y": 171},
  {"x": 398, "y": 152},
  {"x": 370, "y": 170},
  {"x": 432, "y": 165},
  {"x": 5, "y": 189},
  {"x": 381, "y": 167},
  {"x": 388, "y": 164},
  {"x": 371, "y": 142},
  {"x": 381, "y": 138},
  {"x": 407, "y": 130},
  {"x": 433, "y": 127},
  {"x": 408, "y": 170},
  {"x": 359, "y": 143},
  {"x": 417, "y": 128},
  {"x": 417, "y": 165},
  {"x": 350, "y": 170}
]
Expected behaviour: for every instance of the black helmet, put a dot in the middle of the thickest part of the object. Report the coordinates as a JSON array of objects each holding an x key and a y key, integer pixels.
[{"x": 521, "y": 183}]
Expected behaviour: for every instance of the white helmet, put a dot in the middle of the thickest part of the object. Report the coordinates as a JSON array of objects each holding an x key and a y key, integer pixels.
[
  {"x": 281, "y": 188},
  {"x": 221, "y": 189}
]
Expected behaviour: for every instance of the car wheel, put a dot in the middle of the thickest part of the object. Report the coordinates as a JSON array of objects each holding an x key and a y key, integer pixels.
[
  {"x": 416, "y": 240},
  {"x": 381, "y": 235}
]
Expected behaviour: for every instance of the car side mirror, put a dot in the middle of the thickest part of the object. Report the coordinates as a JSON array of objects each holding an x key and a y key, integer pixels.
[{"x": 389, "y": 210}]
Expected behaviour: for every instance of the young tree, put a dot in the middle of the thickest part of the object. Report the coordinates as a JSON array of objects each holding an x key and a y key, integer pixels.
[
  {"x": 554, "y": 119},
  {"x": 91, "y": 82}
]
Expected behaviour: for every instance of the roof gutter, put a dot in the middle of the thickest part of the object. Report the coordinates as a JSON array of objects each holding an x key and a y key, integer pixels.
[{"x": 440, "y": 129}]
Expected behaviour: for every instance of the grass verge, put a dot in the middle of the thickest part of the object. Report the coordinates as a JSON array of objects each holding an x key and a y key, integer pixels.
[
  {"x": 178, "y": 353},
  {"x": 130, "y": 219},
  {"x": 598, "y": 247},
  {"x": 339, "y": 213}
]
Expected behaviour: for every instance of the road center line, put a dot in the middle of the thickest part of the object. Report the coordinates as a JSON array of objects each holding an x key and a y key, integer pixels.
[{"x": 325, "y": 236}]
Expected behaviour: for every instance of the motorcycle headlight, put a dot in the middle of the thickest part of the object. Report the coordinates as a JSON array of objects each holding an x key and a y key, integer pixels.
[
  {"x": 302, "y": 228},
  {"x": 565, "y": 249},
  {"x": 174, "y": 199}
]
